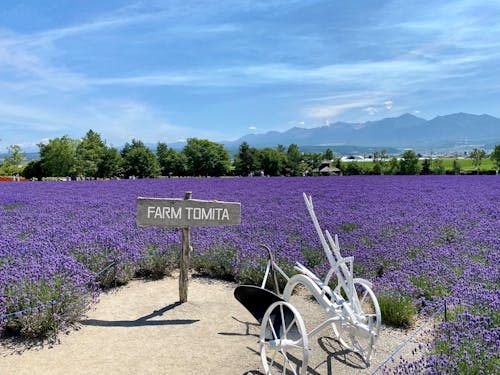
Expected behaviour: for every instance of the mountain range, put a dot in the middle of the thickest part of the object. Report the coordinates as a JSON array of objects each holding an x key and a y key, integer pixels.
[
  {"x": 454, "y": 131},
  {"x": 449, "y": 133}
]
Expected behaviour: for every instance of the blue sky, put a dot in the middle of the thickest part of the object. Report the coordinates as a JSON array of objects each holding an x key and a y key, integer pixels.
[{"x": 170, "y": 70}]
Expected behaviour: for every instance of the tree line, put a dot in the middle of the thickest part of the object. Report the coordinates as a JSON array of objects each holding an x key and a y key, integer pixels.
[{"x": 92, "y": 157}]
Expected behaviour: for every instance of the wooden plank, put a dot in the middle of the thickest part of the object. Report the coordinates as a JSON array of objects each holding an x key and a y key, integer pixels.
[{"x": 183, "y": 213}]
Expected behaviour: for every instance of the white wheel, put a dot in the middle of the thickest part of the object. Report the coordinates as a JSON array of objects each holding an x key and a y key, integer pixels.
[
  {"x": 362, "y": 334},
  {"x": 284, "y": 347}
]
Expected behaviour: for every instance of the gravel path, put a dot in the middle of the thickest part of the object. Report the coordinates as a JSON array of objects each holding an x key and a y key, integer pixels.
[{"x": 141, "y": 329}]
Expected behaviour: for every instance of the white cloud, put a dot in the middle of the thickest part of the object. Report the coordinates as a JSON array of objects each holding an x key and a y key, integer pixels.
[
  {"x": 370, "y": 110},
  {"x": 46, "y": 86}
]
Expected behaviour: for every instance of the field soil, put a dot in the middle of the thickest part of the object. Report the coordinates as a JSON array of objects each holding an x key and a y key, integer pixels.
[{"x": 142, "y": 329}]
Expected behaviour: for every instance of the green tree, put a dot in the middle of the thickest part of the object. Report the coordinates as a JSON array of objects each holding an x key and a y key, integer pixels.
[
  {"x": 89, "y": 154},
  {"x": 293, "y": 159},
  {"x": 164, "y": 159},
  {"x": 379, "y": 162},
  {"x": 111, "y": 164},
  {"x": 456, "y": 167},
  {"x": 352, "y": 168},
  {"x": 246, "y": 160},
  {"x": 409, "y": 163},
  {"x": 58, "y": 156},
  {"x": 328, "y": 155},
  {"x": 311, "y": 160},
  {"x": 438, "y": 166},
  {"x": 171, "y": 162},
  {"x": 271, "y": 161},
  {"x": 281, "y": 154},
  {"x": 377, "y": 168},
  {"x": 33, "y": 170},
  {"x": 426, "y": 167},
  {"x": 12, "y": 163},
  {"x": 477, "y": 157},
  {"x": 180, "y": 164},
  {"x": 139, "y": 161},
  {"x": 393, "y": 166},
  {"x": 206, "y": 158},
  {"x": 495, "y": 156}
]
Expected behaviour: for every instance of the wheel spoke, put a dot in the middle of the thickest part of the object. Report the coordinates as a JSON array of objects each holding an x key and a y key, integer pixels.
[
  {"x": 283, "y": 322},
  {"x": 290, "y": 327},
  {"x": 286, "y": 363},
  {"x": 273, "y": 358},
  {"x": 272, "y": 329},
  {"x": 294, "y": 362},
  {"x": 362, "y": 300}
]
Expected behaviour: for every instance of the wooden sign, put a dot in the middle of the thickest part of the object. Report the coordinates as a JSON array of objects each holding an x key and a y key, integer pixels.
[{"x": 185, "y": 213}]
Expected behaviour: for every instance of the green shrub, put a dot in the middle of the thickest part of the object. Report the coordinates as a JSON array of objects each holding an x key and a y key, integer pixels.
[
  {"x": 396, "y": 310},
  {"x": 157, "y": 263},
  {"x": 61, "y": 304},
  {"x": 95, "y": 261},
  {"x": 313, "y": 257},
  {"x": 253, "y": 273},
  {"x": 217, "y": 262}
]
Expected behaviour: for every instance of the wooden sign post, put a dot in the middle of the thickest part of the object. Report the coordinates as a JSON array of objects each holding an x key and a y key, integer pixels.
[
  {"x": 185, "y": 259},
  {"x": 186, "y": 213}
]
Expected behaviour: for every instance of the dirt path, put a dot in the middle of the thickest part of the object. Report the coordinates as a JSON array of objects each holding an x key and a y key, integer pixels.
[{"x": 141, "y": 329}]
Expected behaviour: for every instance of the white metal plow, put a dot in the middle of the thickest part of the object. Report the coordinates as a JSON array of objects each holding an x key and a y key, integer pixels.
[{"x": 351, "y": 308}]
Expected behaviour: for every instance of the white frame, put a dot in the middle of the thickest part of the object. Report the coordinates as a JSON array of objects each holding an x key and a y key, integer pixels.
[{"x": 343, "y": 314}]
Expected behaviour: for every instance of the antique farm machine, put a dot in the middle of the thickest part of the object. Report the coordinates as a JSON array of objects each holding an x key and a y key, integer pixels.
[{"x": 349, "y": 303}]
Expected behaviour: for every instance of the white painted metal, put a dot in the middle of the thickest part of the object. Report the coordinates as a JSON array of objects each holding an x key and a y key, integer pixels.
[
  {"x": 278, "y": 352},
  {"x": 352, "y": 307}
]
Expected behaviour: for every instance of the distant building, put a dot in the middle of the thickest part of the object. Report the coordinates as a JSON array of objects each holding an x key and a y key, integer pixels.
[
  {"x": 354, "y": 158},
  {"x": 325, "y": 169}
]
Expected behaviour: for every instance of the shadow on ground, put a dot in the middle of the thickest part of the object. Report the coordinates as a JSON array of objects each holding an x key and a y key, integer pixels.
[{"x": 142, "y": 321}]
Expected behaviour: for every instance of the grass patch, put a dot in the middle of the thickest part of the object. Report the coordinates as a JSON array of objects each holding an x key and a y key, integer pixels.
[
  {"x": 414, "y": 253},
  {"x": 12, "y": 206},
  {"x": 349, "y": 227},
  {"x": 428, "y": 288},
  {"x": 447, "y": 235}
]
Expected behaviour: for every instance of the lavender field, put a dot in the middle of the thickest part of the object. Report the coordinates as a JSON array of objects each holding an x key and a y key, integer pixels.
[{"x": 424, "y": 239}]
